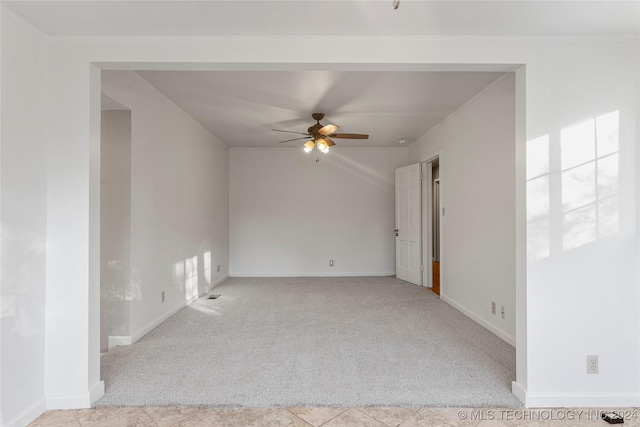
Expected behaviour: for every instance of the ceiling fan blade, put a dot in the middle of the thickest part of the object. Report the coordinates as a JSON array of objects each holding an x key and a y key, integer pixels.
[
  {"x": 328, "y": 129},
  {"x": 349, "y": 135},
  {"x": 294, "y": 139},
  {"x": 330, "y": 142},
  {"x": 289, "y": 131}
]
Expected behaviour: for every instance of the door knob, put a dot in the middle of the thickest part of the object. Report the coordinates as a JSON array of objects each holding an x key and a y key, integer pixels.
[{"x": 396, "y": 231}]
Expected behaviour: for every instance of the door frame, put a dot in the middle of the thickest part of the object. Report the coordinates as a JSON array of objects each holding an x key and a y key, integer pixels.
[{"x": 427, "y": 222}]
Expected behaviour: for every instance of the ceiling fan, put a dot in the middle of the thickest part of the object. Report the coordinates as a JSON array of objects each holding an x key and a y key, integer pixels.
[{"x": 321, "y": 135}]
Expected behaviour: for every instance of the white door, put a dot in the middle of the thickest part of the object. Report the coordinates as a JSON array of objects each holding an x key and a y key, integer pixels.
[{"x": 408, "y": 224}]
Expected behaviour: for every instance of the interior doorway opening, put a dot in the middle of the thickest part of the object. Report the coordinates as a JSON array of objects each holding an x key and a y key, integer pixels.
[
  {"x": 432, "y": 211},
  {"x": 427, "y": 270},
  {"x": 435, "y": 225}
]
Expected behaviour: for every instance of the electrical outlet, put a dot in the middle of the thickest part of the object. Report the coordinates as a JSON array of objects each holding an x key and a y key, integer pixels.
[
  {"x": 162, "y": 295},
  {"x": 502, "y": 312},
  {"x": 592, "y": 364},
  {"x": 218, "y": 268},
  {"x": 330, "y": 263},
  {"x": 493, "y": 307}
]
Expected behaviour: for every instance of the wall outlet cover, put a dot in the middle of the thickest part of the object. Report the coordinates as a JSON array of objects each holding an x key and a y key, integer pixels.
[{"x": 592, "y": 364}]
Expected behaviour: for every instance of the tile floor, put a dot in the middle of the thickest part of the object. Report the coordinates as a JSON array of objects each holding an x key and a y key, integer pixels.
[{"x": 326, "y": 417}]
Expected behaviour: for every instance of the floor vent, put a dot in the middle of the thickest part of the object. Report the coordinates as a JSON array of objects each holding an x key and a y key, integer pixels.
[{"x": 214, "y": 296}]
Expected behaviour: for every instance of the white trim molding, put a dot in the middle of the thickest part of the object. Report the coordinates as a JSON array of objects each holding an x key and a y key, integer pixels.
[
  {"x": 96, "y": 392},
  {"x": 509, "y": 339},
  {"x": 27, "y": 416},
  {"x": 213, "y": 285},
  {"x": 311, "y": 39},
  {"x": 77, "y": 401},
  {"x": 575, "y": 400},
  {"x": 519, "y": 392},
  {"x": 367, "y": 274},
  {"x": 114, "y": 341}
]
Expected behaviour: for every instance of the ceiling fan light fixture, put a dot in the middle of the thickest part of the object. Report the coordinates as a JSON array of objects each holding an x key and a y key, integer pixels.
[
  {"x": 322, "y": 145},
  {"x": 308, "y": 147},
  {"x": 321, "y": 136}
]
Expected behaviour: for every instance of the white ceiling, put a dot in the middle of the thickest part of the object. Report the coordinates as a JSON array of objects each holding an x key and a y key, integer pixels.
[
  {"x": 320, "y": 17},
  {"x": 242, "y": 107}
]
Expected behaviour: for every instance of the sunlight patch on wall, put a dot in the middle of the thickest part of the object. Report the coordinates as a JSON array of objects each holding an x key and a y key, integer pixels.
[
  {"x": 178, "y": 275},
  {"x": 191, "y": 278},
  {"x": 590, "y": 174},
  {"x": 538, "y": 203},
  {"x": 206, "y": 264},
  {"x": 572, "y": 187}
]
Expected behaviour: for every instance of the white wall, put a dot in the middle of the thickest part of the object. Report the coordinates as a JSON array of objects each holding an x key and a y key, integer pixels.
[
  {"x": 23, "y": 220},
  {"x": 563, "y": 313},
  {"x": 477, "y": 143},
  {"x": 115, "y": 226},
  {"x": 179, "y": 203},
  {"x": 289, "y": 215},
  {"x": 582, "y": 300}
]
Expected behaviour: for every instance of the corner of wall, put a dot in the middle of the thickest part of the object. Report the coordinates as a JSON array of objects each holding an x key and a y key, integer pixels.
[
  {"x": 24, "y": 95},
  {"x": 508, "y": 338},
  {"x": 136, "y": 335},
  {"x": 467, "y": 139}
]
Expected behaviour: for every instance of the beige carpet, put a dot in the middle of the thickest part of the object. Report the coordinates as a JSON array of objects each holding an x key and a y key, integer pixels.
[{"x": 366, "y": 341}]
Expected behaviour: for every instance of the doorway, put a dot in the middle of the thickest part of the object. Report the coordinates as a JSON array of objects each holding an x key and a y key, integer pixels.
[
  {"x": 432, "y": 219},
  {"x": 429, "y": 258},
  {"x": 435, "y": 220}
]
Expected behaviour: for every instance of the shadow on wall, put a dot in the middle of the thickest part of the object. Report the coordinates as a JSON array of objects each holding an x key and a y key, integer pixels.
[{"x": 572, "y": 193}]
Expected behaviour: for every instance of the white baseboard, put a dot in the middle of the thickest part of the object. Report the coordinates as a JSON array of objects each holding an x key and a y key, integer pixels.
[
  {"x": 576, "y": 400},
  {"x": 157, "y": 321},
  {"x": 511, "y": 340},
  {"x": 214, "y": 284},
  {"x": 367, "y": 274},
  {"x": 519, "y": 392},
  {"x": 96, "y": 392},
  {"x": 154, "y": 323},
  {"x": 69, "y": 401},
  {"x": 27, "y": 416},
  {"x": 114, "y": 341}
]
